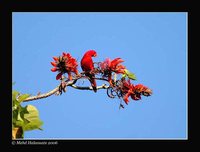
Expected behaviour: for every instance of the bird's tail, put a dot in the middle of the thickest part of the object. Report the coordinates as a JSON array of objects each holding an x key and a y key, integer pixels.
[{"x": 93, "y": 83}]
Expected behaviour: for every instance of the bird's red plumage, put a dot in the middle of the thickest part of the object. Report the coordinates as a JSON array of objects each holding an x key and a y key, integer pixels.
[
  {"x": 87, "y": 66},
  {"x": 87, "y": 63}
]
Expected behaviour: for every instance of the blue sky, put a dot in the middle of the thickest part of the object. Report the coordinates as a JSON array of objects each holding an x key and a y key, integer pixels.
[{"x": 153, "y": 46}]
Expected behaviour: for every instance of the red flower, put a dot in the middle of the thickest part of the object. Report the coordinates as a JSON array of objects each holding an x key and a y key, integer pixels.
[
  {"x": 143, "y": 90},
  {"x": 128, "y": 89},
  {"x": 109, "y": 66},
  {"x": 65, "y": 64}
]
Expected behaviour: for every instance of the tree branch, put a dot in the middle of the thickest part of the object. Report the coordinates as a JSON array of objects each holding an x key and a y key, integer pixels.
[
  {"x": 68, "y": 83},
  {"x": 45, "y": 95}
]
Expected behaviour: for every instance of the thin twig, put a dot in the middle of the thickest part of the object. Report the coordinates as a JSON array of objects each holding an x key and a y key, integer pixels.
[{"x": 104, "y": 86}]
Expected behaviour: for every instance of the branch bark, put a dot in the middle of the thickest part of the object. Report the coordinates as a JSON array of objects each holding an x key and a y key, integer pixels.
[
  {"x": 68, "y": 83},
  {"x": 45, "y": 95}
]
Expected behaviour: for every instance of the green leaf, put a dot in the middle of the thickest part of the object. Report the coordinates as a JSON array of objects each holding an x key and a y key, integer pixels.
[
  {"x": 14, "y": 116},
  {"x": 14, "y": 95},
  {"x": 130, "y": 75},
  {"x": 33, "y": 125},
  {"x": 14, "y": 100},
  {"x": 32, "y": 117},
  {"x": 26, "y": 118},
  {"x": 18, "y": 119},
  {"x": 23, "y": 97},
  {"x": 124, "y": 75},
  {"x": 19, "y": 123}
]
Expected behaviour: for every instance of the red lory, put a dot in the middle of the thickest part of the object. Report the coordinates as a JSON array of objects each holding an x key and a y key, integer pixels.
[{"x": 87, "y": 66}]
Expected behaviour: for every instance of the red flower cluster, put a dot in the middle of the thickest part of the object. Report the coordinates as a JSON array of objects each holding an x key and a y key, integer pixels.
[
  {"x": 128, "y": 89},
  {"x": 109, "y": 66},
  {"x": 65, "y": 64},
  {"x": 107, "y": 70}
]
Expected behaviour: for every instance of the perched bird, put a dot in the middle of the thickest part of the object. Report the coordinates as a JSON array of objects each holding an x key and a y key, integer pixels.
[{"x": 87, "y": 66}]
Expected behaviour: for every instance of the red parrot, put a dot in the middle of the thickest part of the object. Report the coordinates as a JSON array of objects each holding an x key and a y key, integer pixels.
[{"x": 87, "y": 66}]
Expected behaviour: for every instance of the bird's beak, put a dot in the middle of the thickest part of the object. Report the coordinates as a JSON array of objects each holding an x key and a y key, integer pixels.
[{"x": 95, "y": 55}]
